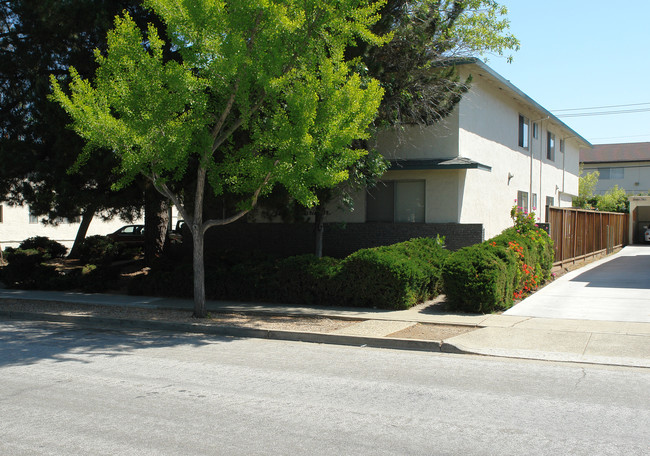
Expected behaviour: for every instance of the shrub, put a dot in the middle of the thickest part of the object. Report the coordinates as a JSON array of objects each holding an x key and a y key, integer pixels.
[
  {"x": 49, "y": 248},
  {"x": 99, "y": 250},
  {"x": 393, "y": 277},
  {"x": 306, "y": 279},
  {"x": 25, "y": 269},
  {"x": 480, "y": 278}
]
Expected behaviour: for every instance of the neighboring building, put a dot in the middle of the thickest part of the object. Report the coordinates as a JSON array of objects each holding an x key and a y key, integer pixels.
[
  {"x": 458, "y": 178},
  {"x": 626, "y": 165},
  {"x": 498, "y": 145},
  {"x": 18, "y": 224}
]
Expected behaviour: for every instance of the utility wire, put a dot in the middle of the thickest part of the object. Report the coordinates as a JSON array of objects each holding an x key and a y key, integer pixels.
[
  {"x": 604, "y": 113},
  {"x": 601, "y": 107}
]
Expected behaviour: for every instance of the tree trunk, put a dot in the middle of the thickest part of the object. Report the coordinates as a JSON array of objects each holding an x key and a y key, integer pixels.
[
  {"x": 199, "y": 273},
  {"x": 87, "y": 217},
  {"x": 156, "y": 222},
  {"x": 319, "y": 217}
]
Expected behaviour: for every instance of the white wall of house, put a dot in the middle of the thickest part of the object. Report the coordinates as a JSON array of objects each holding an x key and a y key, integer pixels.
[
  {"x": 634, "y": 177},
  {"x": 16, "y": 225}
]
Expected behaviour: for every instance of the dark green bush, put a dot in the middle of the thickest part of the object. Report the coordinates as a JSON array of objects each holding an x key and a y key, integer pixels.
[
  {"x": 480, "y": 278},
  {"x": 393, "y": 277},
  {"x": 49, "y": 248},
  {"x": 100, "y": 250},
  {"x": 25, "y": 269},
  {"x": 306, "y": 279}
]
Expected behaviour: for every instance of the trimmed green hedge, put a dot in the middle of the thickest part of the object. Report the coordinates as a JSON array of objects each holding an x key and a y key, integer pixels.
[
  {"x": 391, "y": 277},
  {"x": 488, "y": 277}
]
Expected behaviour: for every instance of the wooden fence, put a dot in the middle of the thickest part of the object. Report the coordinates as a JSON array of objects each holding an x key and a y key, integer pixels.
[{"x": 579, "y": 234}]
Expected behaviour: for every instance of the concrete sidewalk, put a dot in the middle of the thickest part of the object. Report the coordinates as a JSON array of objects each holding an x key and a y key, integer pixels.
[{"x": 599, "y": 342}]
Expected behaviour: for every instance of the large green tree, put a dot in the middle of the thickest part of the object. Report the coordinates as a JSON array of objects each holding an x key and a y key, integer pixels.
[
  {"x": 262, "y": 96},
  {"x": 39, "y": 38}
]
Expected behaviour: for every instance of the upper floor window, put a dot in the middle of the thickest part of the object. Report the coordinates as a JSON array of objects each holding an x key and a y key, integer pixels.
[
  {"x": 535, "y": 130},
  {"x": 524, "y": 124},
  {"x": 611, "y": 173},
  {"x": 562, "y": 145},
  {"x": 1, "y": 219},
  {"x": 550, "y": 146}
]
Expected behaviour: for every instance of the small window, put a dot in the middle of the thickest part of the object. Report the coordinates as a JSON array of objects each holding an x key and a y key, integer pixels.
[
  {"x": 396, "y": 201},
  {"x": 523, "y": 131},
  {"x": 535, "y": 130},
  {"x": 550, "y": 146},
  {"x": 550, "y": 201},
  {"x": 1, "y": 219},
  {"x": 533, "y": 202},
  {"x": 32, "y": 217},
  {"x": 522, "y": 201},
  {"x": 562, "y": 145}
]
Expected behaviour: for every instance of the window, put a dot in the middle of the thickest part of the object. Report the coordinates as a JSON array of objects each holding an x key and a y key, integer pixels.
[
  {"x": 533, "y": 202},
  {"x": 550, "y": 201},
  {"x": 32, "y": 217},
  {"x": 535, "y": 131},
  {"x": 522, "y": 201},
  {"x": 550, "y": 146},
  {"x": 523, "y": 131},
  {"x": 611, "y": 173},
  {"x": 562, "y": 145},
  {"x": 396, "y": 201},
  {"x": 1, "y": 220}
]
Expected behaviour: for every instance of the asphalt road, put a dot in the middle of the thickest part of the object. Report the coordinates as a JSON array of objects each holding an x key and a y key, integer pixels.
[{"x": 70, "y": 391}]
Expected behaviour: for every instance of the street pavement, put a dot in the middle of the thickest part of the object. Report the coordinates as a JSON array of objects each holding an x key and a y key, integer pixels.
[{"x": 598, "y": 314}]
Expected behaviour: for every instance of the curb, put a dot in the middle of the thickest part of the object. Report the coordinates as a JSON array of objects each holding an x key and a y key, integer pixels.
[{"x": 230, "y": 331}]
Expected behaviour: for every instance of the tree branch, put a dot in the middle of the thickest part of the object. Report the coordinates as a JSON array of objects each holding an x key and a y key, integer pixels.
[{"x": 220, "y": 222}]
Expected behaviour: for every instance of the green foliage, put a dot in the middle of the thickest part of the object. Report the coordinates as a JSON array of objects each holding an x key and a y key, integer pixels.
[
  {"x": 27, "y": 271},
  {"x": 391, "y": 277},
  {"x": 100, "y": 250},
  {"x": 486, "y": 277},
  {"x": 614, "y": 200},
  {"x": 49, "y": 248},
  {"x": 586, "y": 186}
]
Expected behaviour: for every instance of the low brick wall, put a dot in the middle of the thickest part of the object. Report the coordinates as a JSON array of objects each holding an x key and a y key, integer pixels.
[{"x": 339, "y": 240}]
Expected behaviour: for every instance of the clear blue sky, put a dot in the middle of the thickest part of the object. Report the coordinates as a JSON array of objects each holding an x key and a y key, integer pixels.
[{"x": 582, "y": 54}]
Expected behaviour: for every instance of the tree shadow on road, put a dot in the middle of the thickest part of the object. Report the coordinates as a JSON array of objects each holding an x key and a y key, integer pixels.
[{"x": 24, "y": 343}]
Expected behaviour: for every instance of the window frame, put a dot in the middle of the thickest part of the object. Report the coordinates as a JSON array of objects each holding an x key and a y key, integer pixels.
[
  {"x": 523, "y": 132},
  {"x": 522, "y": 195},
  {"x": 550, "y": 146},
  {"x": 394, "y": 184},
  {"x": 33, "y": 219}
]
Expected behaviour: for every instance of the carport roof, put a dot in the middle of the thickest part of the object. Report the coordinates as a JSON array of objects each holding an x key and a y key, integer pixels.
[{"x": 437, "y": 163}]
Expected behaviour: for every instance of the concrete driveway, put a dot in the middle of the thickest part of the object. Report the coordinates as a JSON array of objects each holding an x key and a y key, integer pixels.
[{"x": 616, "y": 288}]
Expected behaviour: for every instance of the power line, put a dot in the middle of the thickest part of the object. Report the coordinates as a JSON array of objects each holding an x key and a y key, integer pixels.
[
  {"x": 604, "y": 113},
  {"x": 601, "y": 107}
]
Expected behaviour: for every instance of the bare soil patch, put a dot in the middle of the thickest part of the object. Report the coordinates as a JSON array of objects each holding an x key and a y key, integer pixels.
[{"x": 429, "y": 331}]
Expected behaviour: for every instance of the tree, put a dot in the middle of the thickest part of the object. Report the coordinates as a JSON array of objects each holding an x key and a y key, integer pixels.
[
  {"x": 614, "y": 200},
  {"x": 262, "y": 96},
  {"x": 586, "y": 186},
  {"x": 38, "y": 38}
]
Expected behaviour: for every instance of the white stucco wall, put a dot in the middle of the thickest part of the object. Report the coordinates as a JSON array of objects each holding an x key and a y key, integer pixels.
[
  {"x": 414, "y": 142},
  {"x": 15, "y": 227},
  {"x": 636, "y": 177}
]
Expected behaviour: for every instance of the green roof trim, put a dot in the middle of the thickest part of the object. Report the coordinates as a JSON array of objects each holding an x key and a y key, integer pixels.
[{"x": 437, "y": 163}]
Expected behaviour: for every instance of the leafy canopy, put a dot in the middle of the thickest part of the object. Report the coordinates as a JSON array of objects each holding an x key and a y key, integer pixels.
[{"x": 258, "y": 93}]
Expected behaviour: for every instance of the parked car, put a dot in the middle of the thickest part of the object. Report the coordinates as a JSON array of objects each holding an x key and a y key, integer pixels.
[
  {"x": 129, "y": 234},
  {"x": 176, "y": 235}
]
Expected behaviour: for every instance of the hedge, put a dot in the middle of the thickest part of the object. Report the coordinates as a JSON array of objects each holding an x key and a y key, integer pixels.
[
  {"x": 488, "y": 277},
  {"x": 391, "y": 277}
]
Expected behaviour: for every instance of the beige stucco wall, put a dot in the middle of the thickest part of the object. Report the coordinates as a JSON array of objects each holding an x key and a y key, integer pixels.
[
  {"x": 15, "y": 228},
  {"x": 636, "y": 177},
  {"x": 414, "y": 142}
]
